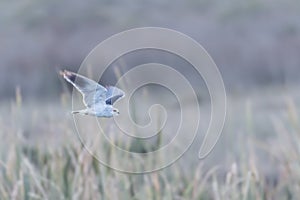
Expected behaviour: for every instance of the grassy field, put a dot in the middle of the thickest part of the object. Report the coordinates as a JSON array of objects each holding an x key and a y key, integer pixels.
[{"x": 257, "y": 156}]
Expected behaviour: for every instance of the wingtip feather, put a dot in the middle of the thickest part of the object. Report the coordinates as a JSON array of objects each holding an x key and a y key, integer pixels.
[
  {"x": 62, "y": 72},
  {"x": 68, "y": 75}
]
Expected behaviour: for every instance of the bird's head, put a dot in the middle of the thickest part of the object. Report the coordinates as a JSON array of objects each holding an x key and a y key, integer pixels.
[{"x": 115, "y": 112}]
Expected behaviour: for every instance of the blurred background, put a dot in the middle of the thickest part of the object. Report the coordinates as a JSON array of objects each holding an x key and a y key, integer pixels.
[
  {"x": 254, "y": 43},
  {"x": 256, "y": 46}
]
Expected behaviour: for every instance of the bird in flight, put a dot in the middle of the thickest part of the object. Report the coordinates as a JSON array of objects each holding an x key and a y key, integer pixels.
[{"x": 97, "y": 99}]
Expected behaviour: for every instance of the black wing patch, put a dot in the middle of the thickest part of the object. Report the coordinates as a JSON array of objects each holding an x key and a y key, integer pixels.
[{"x": 113, "y": 94}]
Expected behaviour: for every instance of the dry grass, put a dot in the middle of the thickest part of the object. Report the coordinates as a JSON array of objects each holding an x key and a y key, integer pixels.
[{"x": 256, "y": 158}]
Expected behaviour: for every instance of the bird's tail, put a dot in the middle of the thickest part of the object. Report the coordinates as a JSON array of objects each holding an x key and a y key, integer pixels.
[{"x": 83, "y": 112}]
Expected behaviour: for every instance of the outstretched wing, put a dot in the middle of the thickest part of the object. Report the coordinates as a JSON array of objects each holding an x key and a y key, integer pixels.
[
  {"x": 113, "y": 94},
  {"x": 91, "y": 91}
]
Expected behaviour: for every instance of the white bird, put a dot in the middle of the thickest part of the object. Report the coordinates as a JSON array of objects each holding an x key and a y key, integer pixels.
[{"x": 97, "y": 99}]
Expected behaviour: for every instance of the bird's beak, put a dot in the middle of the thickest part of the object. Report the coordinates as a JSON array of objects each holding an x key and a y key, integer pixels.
[{"x": 117, "y": 112}]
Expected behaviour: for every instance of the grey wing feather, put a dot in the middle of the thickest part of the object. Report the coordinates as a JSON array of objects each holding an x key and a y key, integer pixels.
[
  {"x": 91, "y": 91},
  {"x": 113, "y": 94}
]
